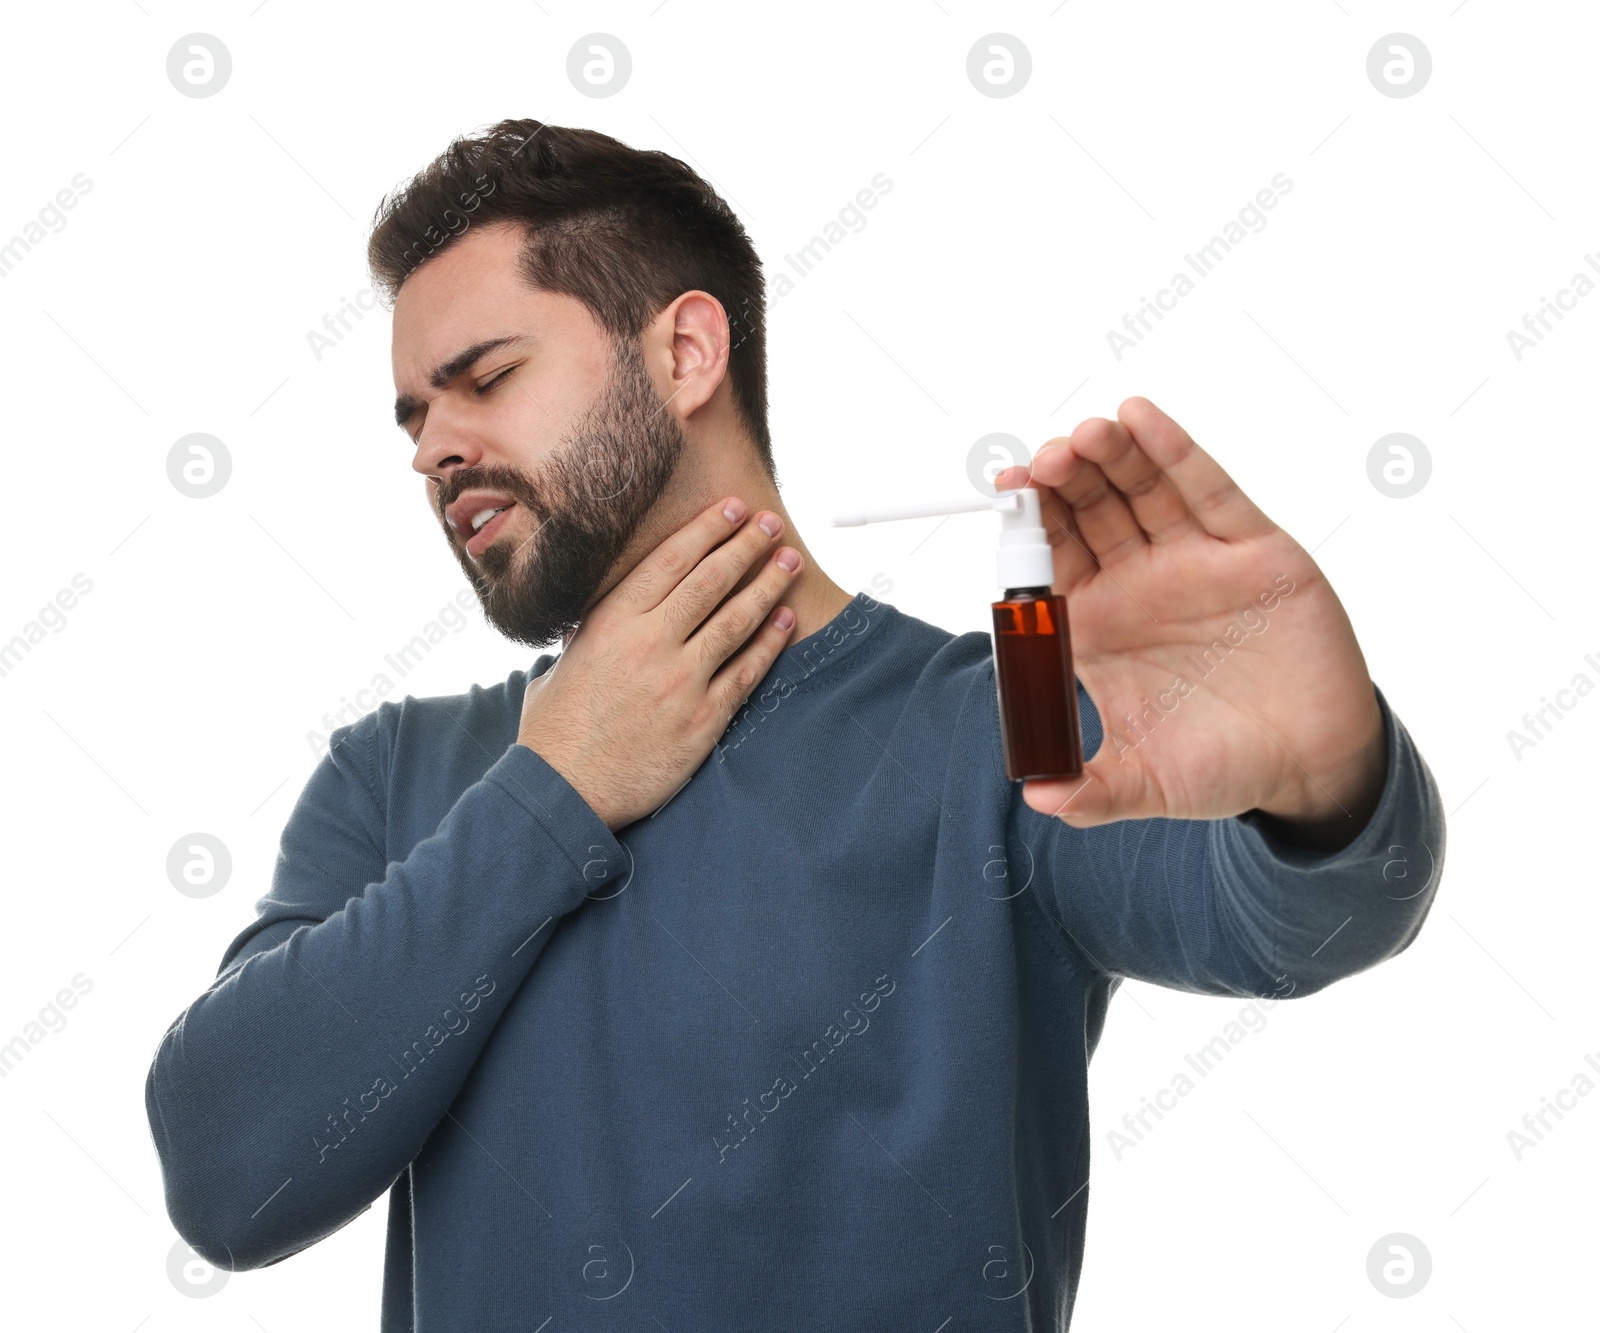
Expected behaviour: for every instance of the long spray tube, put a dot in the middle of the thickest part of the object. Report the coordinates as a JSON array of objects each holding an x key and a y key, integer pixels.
[
  {"x": 1023, "y": 559},
  {"x": 854, "y": 518}
]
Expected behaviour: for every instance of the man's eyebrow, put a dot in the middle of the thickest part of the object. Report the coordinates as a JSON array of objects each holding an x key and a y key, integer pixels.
[{"x": 459, "y": 364}]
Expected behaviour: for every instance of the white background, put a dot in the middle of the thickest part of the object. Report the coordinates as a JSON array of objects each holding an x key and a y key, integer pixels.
[{"x": 179, "y": 694}]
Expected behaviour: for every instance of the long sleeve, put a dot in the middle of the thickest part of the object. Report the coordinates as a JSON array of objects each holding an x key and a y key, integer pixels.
[
  {"x": 344, "y": 1021},
  {"x": 1222, "y": 907}
]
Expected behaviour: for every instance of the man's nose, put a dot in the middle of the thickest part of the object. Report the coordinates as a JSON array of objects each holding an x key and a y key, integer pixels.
[{"x": 443, "y": 444}]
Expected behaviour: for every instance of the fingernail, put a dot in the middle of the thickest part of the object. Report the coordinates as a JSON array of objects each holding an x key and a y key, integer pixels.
[
  {"x": 790, "y": 560},
  {"x": 734, "y": 510},
  {"x": 784, "y": 618},
  {"x": 771, "y": 524}
]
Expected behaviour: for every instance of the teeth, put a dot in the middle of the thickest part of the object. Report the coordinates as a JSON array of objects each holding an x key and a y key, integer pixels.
[{"x": 485, "y": 516}]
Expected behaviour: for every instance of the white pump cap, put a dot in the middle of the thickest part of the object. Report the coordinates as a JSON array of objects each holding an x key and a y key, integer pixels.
[{"x": 1023, "y": 560}]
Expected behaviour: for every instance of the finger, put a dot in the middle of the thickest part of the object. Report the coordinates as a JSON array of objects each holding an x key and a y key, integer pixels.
[
  {"x": 652, "y": 580},
  {"x": 1212, "y": 496},
  {"x": 731, "y": 686},
  {"x": 1104, "y": 792},
  {"x": 1104, "y": 520},
  {"x": 688, "y": 605},
  {"x": 1151, "y": 495},
  {"x": 742, "y": 614}
]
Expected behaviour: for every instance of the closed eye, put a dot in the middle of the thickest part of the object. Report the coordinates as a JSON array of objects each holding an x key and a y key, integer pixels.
[{"x": 488, "y": 385}]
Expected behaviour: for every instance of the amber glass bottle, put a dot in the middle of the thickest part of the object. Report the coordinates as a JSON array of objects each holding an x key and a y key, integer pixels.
[{"x": 1037, "y": 690}]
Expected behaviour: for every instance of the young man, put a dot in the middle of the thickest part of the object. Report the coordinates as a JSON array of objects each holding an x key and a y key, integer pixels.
[{"x": 712, "y": 972}]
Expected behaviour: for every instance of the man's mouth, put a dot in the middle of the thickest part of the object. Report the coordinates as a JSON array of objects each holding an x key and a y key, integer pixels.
[{"x": 487, "y": 530}]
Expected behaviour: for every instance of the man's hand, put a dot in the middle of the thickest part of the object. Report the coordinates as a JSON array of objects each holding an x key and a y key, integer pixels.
[
  {"x": 636, "y": 701},
  {"x": 1224, "y": 669}
]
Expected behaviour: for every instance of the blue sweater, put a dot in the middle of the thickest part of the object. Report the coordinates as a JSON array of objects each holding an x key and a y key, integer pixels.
[{"x": 808, "y": 1046}]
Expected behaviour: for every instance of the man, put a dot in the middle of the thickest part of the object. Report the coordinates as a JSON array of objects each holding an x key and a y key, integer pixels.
[{"x": 711, "y": 973}]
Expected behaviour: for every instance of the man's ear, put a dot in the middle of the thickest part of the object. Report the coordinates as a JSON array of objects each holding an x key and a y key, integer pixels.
[{"x": 694, "y": 332}]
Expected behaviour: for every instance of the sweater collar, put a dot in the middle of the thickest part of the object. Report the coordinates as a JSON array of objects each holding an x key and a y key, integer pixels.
[{"x": 862, "y": 617}]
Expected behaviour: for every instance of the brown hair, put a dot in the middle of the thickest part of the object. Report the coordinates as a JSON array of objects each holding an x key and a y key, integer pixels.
[{"x": 626, "y": 231}]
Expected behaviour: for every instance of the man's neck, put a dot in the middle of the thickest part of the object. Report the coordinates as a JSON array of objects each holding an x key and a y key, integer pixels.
[
  {"x": 814, "y": 605},
  {"x": 814, "y": 598}
]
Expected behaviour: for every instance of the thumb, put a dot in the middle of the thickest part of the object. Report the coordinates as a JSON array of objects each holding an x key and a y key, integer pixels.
[{"x": 1107, "y": 790}]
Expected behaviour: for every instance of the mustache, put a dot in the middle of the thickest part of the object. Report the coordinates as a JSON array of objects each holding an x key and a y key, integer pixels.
[
  {"x": 588, "y": 476},
  {"x": 517, "y": 489}
]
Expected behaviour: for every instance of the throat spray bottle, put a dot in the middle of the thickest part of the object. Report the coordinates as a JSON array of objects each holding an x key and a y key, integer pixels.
[{"x": 1033, "y": 675}]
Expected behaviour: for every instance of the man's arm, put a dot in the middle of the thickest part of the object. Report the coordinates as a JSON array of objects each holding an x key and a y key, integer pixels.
[
  {"x": 345, "y": 1020},
  {"x": 1215, "y": 847},
  {"x": 1230, "y": 907}
]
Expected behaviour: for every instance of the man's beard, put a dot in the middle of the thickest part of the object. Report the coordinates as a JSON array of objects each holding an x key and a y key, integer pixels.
[{"x": 593, "y": 493}]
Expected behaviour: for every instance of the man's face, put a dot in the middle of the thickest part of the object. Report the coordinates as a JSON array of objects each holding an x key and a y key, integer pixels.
[{"x": 575, "y": 438}]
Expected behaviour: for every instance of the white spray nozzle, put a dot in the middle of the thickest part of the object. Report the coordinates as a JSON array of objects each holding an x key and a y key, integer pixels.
[{"x": 1023, "y": 560}]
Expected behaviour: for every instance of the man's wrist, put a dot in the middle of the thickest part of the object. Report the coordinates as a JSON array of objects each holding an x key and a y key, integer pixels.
[
  {"x": 1332, "y": 812},
  {"x": 570, "y": 775}
]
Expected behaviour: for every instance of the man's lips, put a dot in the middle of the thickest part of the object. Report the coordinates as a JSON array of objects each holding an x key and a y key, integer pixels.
[
  {"x": 479, "y": 542},
  {"x": 468, "y": 505}
]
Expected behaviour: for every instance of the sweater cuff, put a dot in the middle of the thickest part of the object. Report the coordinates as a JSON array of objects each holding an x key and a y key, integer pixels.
[
  {"x": 1315, "y": 916},
  {"x": 570, "y": 822},
  {"x": 1374, "y": 837}
]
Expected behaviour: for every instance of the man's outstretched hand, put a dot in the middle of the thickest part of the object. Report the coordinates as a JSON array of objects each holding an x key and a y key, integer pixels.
[{"x": 1224, "y": 669}]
